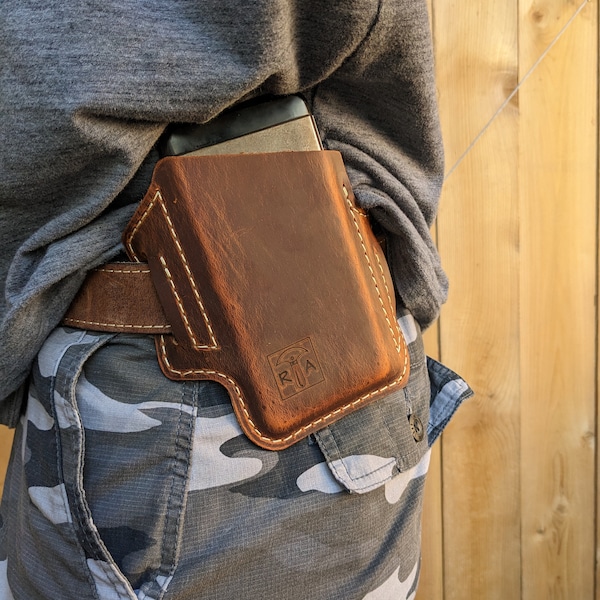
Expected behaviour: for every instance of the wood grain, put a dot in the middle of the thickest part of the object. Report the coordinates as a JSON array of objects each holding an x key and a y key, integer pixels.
[
  {"x": 517, "y": 235},
  {"x": 597, "y": 357},
  {"x": 478, "y": 229},
  {"x": 557, "y": 193}
]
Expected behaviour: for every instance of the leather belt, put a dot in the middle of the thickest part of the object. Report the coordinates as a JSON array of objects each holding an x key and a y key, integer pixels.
[{"x": 118, "y": 297}]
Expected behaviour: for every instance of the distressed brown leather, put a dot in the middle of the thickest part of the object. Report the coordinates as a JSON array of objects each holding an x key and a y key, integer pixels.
[
  {"x": 118, "y": 297},
  {"x": 274, "y": 286}
]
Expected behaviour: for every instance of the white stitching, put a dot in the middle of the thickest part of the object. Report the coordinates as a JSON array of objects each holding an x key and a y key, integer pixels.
[
  {"x": 129, "y": 270},
  {"x": 129, "y": 240},
  {"x": 321, "y": 421},
  {"x": 188, "y": 272},
  {"x": 181, "y": 307},
  {"x": 362, "y": 242},
  {"x": 158, "y": 197},
  {"x": 128, "y": 325},
  {"x": 387, "y": 291}
]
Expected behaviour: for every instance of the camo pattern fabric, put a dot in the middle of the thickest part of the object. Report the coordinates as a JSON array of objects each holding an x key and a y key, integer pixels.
[{"x": 126, "y": 485}]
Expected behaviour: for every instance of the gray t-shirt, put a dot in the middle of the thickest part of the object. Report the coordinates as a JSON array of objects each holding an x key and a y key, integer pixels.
[{"x": 86, "y": 89}]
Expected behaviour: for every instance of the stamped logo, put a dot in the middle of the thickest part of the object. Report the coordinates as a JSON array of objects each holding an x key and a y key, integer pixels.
[{"x": 296, "y": 368}]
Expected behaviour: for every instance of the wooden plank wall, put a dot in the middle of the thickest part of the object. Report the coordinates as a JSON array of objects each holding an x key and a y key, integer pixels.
[
  {"x": 512, "y": 496},
  {"x": 512, "y": 503}
]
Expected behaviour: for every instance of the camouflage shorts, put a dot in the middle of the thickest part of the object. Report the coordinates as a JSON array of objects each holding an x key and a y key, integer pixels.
[{"x": 124, "y": 485}]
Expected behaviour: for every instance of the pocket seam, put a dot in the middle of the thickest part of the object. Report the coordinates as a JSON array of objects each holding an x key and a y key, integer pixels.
[{"x": 84, "y": 528}]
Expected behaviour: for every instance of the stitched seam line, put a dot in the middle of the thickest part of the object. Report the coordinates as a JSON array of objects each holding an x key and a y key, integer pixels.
[
  {"x": 188, "y": 272},
  {"x": 181, "y": 308},
  {"x": 130, "y": 270},
  {"x": 120, "y": 325},
  {"x": 395, "y": 330},
  {"x": 82, "y": 513},
  {"x": 344, "y": 474},
  {"x": 368, "y": 261},
  {"x": 168, "y": 561},
  {"x": 129, "y": 240},
  {"x": 299, "y": 432}
]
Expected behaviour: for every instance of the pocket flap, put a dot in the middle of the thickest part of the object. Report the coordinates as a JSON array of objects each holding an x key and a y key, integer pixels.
[{"x": 366, "y": 449}]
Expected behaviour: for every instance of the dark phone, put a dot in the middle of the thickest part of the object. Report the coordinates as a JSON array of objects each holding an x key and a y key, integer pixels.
[{"x": 273, "y": 125}]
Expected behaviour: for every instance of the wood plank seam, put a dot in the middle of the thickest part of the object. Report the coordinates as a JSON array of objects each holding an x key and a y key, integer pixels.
[{"x": 527, "y": 75}]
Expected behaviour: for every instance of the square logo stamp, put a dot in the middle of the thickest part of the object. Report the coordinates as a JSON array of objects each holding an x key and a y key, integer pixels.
[{"x": 296, "y": 368}]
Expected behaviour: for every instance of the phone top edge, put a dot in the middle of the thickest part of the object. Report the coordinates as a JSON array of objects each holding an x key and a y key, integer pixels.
[{"x": 233, "y": 123}]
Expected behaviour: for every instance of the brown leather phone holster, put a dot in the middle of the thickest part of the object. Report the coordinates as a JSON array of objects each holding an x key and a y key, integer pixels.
[{"x": 274, "y": 285}]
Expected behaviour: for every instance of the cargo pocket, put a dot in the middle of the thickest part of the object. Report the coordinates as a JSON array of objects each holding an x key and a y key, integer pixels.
[
  {"x": 53, "y": 547},
  {"x": 367, "y": 448},
  {"x": 124, "y": 435}
]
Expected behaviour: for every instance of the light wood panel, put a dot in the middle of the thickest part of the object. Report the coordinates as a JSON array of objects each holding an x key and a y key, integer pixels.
[
  {"x": 597, "y": 362},
  {"x": 479, "y": 329},
  {"x": 557, "y": 197},
  {"x": 517, "y": 234}
]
